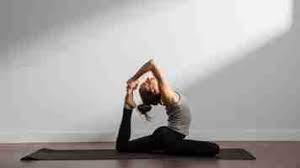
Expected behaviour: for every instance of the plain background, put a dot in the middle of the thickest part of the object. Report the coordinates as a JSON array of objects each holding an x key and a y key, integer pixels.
[{"x": 64, "y": 64}]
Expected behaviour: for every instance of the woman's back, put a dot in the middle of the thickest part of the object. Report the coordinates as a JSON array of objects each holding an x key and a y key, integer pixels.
[{"x": 179, "y": 115}]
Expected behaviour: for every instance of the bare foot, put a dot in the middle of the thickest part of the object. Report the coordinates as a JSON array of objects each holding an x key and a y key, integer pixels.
[{"x": 129, "y": 102}]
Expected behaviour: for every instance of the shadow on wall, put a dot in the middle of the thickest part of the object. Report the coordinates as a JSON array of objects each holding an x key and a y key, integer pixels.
[
  {"x": 25, "y": 21},
  {"x": 259, "y": 91},
  {"x": 263, "y": 84}
]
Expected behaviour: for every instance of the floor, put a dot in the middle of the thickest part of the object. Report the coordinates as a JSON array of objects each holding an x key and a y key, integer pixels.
[{"x": 268, "y": 154}]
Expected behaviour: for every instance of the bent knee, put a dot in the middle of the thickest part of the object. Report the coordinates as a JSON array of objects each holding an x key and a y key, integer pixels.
[{"x": 161, "y": 130}]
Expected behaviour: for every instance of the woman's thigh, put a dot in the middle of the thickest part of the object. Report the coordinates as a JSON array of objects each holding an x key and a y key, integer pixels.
[
  {"x": 158, "y": 140},
  {"x": 164, "y": 136},
  {"x": 143, "y": 144},
  {"x": 193, "y": 147}
]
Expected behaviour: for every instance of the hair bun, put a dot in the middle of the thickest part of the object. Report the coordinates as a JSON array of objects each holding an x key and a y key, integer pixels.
[{"x": 144, "y": 108}]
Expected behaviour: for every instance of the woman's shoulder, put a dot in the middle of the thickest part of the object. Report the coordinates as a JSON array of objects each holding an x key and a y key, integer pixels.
[
  {"x": 180, "y": 104},
  {"x": 180, "y": 97}
]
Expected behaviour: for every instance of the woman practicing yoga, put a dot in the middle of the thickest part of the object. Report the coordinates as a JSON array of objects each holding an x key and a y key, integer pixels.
[{"x": 168, "y": 139}]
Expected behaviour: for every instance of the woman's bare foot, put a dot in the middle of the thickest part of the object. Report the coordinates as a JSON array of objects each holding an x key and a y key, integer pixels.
[{"x": 129, "y": 102}]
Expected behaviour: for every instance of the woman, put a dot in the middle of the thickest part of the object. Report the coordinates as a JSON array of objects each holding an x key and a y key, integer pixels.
[{"x": 168, "y": 139}]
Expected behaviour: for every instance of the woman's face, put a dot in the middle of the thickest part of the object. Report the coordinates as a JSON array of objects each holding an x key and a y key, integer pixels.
[
  {"x": 149, "y": 91},
  {"x": 150, "y": 85}
]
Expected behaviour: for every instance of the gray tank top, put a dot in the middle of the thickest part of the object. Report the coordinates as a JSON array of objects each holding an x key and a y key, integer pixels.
[{"x": 179, "y": 115}]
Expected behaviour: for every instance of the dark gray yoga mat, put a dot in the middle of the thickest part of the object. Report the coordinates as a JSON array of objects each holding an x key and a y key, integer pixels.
[{"x": 105, "y": 154}]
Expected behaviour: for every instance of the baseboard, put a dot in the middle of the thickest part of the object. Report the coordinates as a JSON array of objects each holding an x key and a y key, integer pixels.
[
  {"x": 57, "y": 137},
  {"x": 214, "y": 135},
  {"x": 247, "y": 135}
]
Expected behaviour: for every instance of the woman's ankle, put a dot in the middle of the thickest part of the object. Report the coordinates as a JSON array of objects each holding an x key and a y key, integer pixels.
[{"x": 128, "y": 107}]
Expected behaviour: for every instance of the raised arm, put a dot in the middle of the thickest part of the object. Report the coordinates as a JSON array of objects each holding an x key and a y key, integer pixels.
[{"x": 167, "y": 93}]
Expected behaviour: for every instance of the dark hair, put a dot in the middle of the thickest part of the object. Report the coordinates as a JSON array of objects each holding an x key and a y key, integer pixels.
[
  {"x": 144, "y": 109},
  {"x": 148, "y": 99}
]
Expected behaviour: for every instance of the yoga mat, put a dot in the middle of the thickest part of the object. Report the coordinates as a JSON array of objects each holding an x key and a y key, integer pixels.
[{"x": 105, "y": 154}]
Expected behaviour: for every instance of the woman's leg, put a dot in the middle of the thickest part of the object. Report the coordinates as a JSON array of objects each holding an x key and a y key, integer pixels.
[
  {"x": 164, "y": 136},
  {"x": 143, "y": 144},
  {"x": 193, "y": 147},
  {"x": 174, "y": 143}
]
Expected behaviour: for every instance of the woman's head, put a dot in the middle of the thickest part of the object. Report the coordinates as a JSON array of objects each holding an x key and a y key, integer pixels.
[{"x": 150, "y": 95}]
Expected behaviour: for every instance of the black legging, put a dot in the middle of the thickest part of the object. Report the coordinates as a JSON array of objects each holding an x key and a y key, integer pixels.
[{"x": 162, "y": 139}]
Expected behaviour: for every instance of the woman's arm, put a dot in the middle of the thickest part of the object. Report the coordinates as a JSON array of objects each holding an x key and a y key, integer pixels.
[
  {"x": 145, "y": 68},
  {"x": 168, "y": 95}
]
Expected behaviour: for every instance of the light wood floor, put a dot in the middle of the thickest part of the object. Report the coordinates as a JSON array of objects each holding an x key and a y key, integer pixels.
[{"x": 268, "y": 154}]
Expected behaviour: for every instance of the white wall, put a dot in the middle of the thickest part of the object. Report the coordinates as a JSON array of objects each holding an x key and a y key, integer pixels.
[{"x": 64, "y": 65}]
